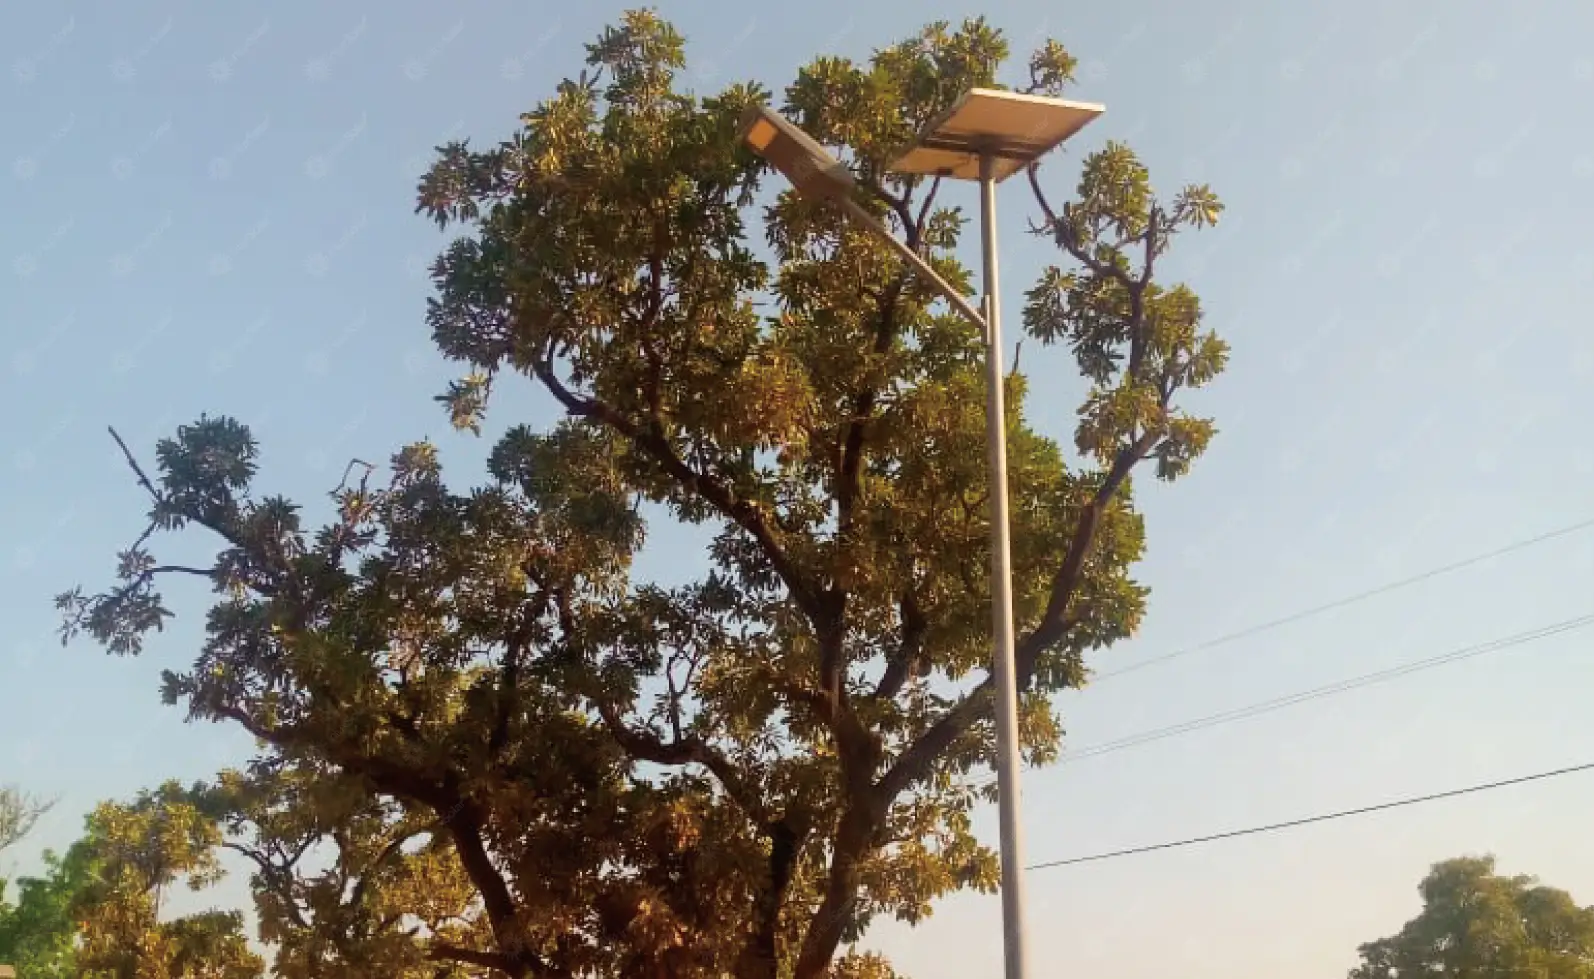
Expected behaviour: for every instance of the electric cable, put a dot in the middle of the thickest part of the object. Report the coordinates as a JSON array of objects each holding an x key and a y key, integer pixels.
[
  {"x": 1308, "y": 820},
  {"x": 1342, "y": 602},
  {"x": 1341, "y": 686},
  {"x": 1317, "y": 693}
]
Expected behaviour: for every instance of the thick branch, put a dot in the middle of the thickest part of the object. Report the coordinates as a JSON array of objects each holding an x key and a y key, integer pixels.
[
  {"x": 509, "y": 672},
  {"x": 899, "y": 206},
  {"x": 825, "y": 929},
  {"x": 914, "y": 764},
  {"x": 461, "y": 816},
  {"x": 900, "y": 665},
  {"x": 761, "y": 957},
  {"x": 465, "y": 825},
  {"x": 743, "y": 513},
  {"x": 849, "y": 483},
  {"x": 1068, "y": 575},
  {"x": 362, "y": 885},
  {"x": 925, "y": 205},
  {"x": 648, "y": 747},
  {"x": 441, "y": 952}
]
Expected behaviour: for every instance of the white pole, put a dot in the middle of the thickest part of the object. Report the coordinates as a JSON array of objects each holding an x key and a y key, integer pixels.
[{"x": 1007, "y": 746}]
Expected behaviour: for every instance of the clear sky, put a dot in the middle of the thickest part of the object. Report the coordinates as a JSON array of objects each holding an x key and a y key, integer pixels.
[{"x": 208, "y": 208}]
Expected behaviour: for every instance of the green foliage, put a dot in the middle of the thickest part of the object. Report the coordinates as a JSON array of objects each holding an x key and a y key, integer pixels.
[
  {"x": 514, "y": 757},
  {"x": 96, "y": 913},
  {"x": 1479, "y": 925},
  {"x": 38, "y": 933}
]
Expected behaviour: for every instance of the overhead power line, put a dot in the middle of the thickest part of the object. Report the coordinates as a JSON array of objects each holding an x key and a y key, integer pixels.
[
  {"x": 1341, "y": 686},
  {"x": 1321, "y": 818},
  {"x": 1342, "y": 602},
  {"x": 1317, "y": 693}
]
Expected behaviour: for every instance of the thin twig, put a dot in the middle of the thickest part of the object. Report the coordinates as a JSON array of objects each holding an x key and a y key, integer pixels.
[{"x": 138, "y": 470}]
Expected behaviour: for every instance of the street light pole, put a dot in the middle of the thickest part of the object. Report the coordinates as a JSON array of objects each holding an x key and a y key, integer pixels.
[
  {"x": 989, "y": 135},
  {"x": 1008, "y": 753}
]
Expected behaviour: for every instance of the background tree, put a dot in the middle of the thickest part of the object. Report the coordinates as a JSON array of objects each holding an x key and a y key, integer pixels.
[
  {"x": 19, "y": 812},
  {"x": 137, "y": 853},
  {"x": 96, "y": 912},
  {"x": 38, "y": 933},
  {"x": 1479, "y": 925},
  {"x": 617, "y": 771}
]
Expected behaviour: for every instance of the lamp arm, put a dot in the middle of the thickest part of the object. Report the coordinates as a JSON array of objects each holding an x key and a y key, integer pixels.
[{"x": 959, "y": 302}]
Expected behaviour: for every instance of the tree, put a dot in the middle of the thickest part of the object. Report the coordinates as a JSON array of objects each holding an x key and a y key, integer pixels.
[
  {"x": 737, "y": 774},
  {"x": 138, "y": 852},
  {"x": 1478, "y": 925},
  {"x": 38, "y": 932},
  {"x": 19, "y": 813},
  {"x": 97, "y": 911}
]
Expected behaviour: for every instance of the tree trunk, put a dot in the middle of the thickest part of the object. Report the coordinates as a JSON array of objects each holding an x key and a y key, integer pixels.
[
  {"x": 761, "y": 958},
  {"x": 830, "y": 921}
]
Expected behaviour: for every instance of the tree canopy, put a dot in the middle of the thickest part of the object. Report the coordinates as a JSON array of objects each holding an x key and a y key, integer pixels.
[
  {"x": 1476, "y": 924},
  {"x": 96, "y": 913},
  {"x": 511, "y": 754}
]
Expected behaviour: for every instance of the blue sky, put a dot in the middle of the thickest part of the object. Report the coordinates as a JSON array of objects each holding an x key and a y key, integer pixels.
[{"x": 208, "y": 208}]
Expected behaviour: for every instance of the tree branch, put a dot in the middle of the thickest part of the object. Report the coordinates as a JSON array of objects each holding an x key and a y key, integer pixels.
[
  {"x": 277, "y": 878},
  {"x": 441, "y": 952},
  {"x": 388, "y": 852},
  {"x": 744, "y": 513},
  {"x": 925, "y": 205},
  {"x": 825, "y": 928},
  {"x": 914, "y": 764},
  {"x": 1064, "y": 234},
  {"x": 646, "y": 746},
  {"x": 143, "y": 480},
  {"x": 900, "y": 666},
  {"x": 899, "y": 206}
]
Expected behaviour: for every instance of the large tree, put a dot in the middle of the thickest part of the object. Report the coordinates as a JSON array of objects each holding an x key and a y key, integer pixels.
[
  {"x": 1476, "y": 924},
  {"x": 542, "y": 767}
]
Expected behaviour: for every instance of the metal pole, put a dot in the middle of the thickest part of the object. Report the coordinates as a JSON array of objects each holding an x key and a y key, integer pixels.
[{"x": 1007, "y": 747}]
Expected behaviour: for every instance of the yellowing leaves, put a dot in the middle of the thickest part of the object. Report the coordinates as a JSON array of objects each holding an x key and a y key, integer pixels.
[{"x": 767, "y": 403}]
